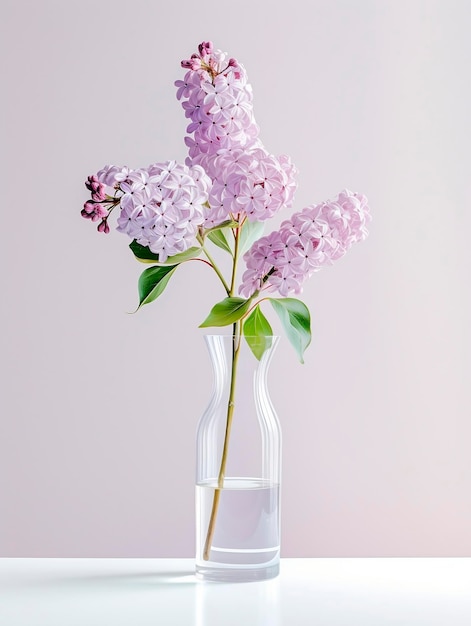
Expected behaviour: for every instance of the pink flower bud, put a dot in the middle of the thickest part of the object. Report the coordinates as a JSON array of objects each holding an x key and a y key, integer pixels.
[
  {"x": 186, "y": 64},
  {"x": 89, "y": 207},
  {"x": 94, "y": 211},
  {"x": 100, "y": 211},
  {"x": 103, "y": 227},
  {"x": 98, "y": 193},
  {"x": 232, "y": 63},
  {"x": 91, "y": 180},
  {"x": 205, "y": 49}
]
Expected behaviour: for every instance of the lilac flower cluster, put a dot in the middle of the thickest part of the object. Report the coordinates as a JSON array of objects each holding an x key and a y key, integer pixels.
[
  {"x": 312, "y": 238},
  {"x": 247, "y": 180},
  {"x": 228, "y": 175},
  {"x": 161, "y": 206}
]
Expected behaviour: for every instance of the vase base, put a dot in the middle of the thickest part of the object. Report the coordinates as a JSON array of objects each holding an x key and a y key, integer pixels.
[{"x": 236, "y": 575}]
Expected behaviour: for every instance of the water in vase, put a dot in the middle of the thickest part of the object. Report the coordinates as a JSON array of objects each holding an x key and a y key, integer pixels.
[{"x": 247, "y": 528}]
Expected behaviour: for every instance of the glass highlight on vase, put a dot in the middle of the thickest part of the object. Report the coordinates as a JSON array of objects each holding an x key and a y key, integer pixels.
[{"x": 238, "y": 467}]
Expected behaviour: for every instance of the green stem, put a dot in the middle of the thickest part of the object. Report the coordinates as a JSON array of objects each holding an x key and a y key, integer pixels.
[
  {"x": 236, "y": 258},
  {"x": 236, "y": 343},
  {"x": 215, "y": 267}
]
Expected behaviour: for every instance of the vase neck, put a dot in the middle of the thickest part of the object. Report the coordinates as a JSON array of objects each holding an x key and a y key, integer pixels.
[{"x": 233, "y": 356}]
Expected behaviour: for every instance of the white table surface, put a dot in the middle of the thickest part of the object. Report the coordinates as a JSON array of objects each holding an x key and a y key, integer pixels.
[{"x": 164, "y": 592}]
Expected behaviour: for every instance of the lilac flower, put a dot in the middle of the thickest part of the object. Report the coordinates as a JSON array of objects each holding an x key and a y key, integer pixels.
[
  {"x": 107, "y": 175},
  {"x": 217, "y": 99},
  {"x": 228, "y": 174},
  {"x": 311, "y": 239},
  {"x": 160, "y": 206},
  {"x": 261, "y": 261},
  {"x": 252, "y": 198}
]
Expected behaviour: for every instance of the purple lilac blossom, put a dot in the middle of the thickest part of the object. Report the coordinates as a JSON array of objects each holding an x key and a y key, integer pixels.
[
  {"x": 223, "y": 139},
  {"x": 161, "y": 206},
  {"x": 228, "y": 175},
  {"x": 312, "y": 238}
]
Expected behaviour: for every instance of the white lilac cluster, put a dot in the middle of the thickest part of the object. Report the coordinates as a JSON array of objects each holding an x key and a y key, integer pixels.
[
  {"x": 161, "y": 206},
  {"x": 247, "y": 180},
  {"x": 312, "y": 238}
]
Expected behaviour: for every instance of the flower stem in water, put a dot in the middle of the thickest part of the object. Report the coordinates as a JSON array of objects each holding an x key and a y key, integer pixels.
[{"x": 230, "y": 413}]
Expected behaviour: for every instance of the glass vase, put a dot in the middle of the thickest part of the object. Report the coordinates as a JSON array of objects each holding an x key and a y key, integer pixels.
[{"x": 238, "y": 466}]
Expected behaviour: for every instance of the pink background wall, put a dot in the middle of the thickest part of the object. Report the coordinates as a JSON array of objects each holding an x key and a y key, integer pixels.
[{"x": 99, "y": 408}]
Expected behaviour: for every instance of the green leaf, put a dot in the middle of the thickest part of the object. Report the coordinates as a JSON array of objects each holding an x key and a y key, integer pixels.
[
  {"x": 296, "y": 320},
  {"x": 257, "y": 332},
  {"x": 191, "y": 253},
  {"x": 226, "y": 312},
  {"x": 219, "y": 238},
  {"x": 144, "y": 255},
  {"x": 251, "y": 231},
  {"x": 226, "y": 224},
  {"x": 152, "y": 282}
]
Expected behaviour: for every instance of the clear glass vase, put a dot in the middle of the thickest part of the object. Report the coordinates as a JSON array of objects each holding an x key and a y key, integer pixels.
[{"x": 238, "y": 467}]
